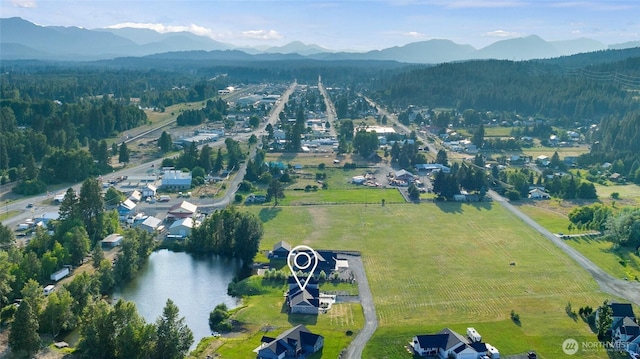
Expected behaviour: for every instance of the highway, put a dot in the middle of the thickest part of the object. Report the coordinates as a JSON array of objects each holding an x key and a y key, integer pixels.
[{"x": 44, "y": 203}]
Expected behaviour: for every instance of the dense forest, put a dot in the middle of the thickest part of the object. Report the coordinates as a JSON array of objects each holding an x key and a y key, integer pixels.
[{"x": 528, "y": 88}]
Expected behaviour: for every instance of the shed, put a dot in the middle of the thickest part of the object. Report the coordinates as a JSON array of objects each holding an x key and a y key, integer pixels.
[{"x": 112, "y": 240}]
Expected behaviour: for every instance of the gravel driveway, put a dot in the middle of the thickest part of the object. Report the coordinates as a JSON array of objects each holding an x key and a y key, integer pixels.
[{"x": 354, "y": 351}]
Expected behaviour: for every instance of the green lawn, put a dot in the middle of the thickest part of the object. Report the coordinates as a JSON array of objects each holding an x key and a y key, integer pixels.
[
  {"x": 620, "y": 263},
  {"x": 554, "y": 221},
  {"x": 629, "y": 194},
  {"x": 436, "y": 265},
  {"x": 264, "y": 314}
]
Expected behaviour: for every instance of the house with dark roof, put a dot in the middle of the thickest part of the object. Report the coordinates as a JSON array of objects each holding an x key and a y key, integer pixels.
[
  {"x": 625, "y": 331},
  {"x": 303, "y": 301},
  {"x": 326, "y": 259},
  {"x": 280, "y": 250},
  {"x": 448, "y": 344},
  {"x": 297, "y": 342}
]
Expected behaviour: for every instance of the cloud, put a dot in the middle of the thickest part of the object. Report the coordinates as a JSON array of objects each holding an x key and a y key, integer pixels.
[
  {"x": 261, "y": 35},
  {"x": 502, "y": 33},
  {"x": 161, "y": 28},
  {"x": 414, "y": 34},
  {"x": 24, "y": 3},
  {"x": 576, "y": 32}
]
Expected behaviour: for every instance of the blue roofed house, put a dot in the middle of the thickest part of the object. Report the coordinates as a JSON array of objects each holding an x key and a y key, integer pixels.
[
  {"x": 126, "y": 208},
  {"x": 176, "y": 180},
  {"x": 280, "y": 250},
  {"x": 297, "y": 342}
]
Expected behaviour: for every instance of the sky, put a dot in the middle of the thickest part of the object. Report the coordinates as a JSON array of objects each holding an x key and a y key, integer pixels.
[{"x": 357, "y": 25}]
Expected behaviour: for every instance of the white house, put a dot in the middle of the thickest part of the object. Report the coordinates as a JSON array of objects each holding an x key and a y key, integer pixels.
[
  {"x": 182, "y": 227},
  {"x": 149, "y": 190},
  {"x": 135, "y": 196},
  {"x": 183, "y": 209},
  {"x": 151, "y": 224},
  {"x": 537, "y": 193}
]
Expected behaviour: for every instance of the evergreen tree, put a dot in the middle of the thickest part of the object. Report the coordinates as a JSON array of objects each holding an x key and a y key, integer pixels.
[
  {"x": 165, "y": 142},
  {"x": 441, "y": 158},
  {"x": 103, "y": 153},
  {"x": 123, "y": 153},
  {"x": 275, "y": 191},
  {"x": 218, "y": 165},
  {"x": 604, "y": 319},
  {"x": 91, "y": 208},
  {"x": 173, "y": 336},
  {"x": 24, "y": 338},
  {"x": 478, "y": 137}
]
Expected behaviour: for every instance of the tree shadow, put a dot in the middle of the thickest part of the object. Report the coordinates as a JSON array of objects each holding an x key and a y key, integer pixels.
[
  {"x": 306, "y": 319},
  {"x": 268, "y": 213},
  {"x": 449, "y": 207},
  {"x": 482, "y": 205}
]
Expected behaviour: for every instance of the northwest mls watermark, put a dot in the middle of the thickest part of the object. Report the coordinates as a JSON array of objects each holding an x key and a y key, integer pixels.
[{"x": 571, "y": 346}]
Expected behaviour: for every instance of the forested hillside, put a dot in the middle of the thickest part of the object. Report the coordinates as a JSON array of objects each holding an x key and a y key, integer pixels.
[{"x": 527, "y": 88}]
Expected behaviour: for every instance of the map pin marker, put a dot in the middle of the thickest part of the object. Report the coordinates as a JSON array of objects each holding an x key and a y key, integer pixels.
[{"x": 301, "y": 258}]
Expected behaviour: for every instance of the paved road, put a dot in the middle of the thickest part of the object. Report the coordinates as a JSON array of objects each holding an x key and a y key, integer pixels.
[
  {"x": 44, "y": 203},
  {"x": 331, "y": 110},
  {"x": 354, "y": 351},
  {"x": 627, "y": 290}
]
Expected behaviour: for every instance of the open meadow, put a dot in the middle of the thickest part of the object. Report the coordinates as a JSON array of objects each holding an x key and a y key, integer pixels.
[
  {"x": 454, "y": 265},
  {"x": 619, "y": 262}
]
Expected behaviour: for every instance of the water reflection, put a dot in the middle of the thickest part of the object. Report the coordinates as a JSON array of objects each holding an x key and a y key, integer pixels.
[{"x": 195, "y": 284}]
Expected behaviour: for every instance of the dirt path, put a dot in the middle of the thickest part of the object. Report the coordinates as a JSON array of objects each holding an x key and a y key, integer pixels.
[{"x": 624, "y": 289}]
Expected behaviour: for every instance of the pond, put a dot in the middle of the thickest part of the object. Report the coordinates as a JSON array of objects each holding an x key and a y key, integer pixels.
[{"x": 195, "y": 284}]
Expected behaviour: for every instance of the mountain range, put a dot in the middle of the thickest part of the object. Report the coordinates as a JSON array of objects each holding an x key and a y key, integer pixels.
[{"x": 21, "y": 39}]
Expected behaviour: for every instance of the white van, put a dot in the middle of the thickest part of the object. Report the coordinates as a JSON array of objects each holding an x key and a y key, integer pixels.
[{"x": 49, "y": 289}]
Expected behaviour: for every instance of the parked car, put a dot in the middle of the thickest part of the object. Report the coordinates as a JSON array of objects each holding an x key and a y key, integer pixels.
[{"x": 30, "y": 205}]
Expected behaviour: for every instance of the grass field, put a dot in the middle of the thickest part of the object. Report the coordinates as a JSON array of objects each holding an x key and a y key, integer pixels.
[
  {"x": 551, "y": 216},
  {"x": 432, "y": 266},
  {"x": 620, "y": 263}
]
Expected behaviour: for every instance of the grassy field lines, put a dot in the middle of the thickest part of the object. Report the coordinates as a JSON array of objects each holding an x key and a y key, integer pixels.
[{"x": 436, "y": 265}]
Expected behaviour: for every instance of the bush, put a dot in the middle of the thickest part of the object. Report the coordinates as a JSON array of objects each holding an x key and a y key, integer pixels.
[
  {"x": 245, "y": 186},
  {"x": 30, "y": 187},
  {"x": 238, "y": 198},
  {"x": 7, "y": 313},
  {"x": 512, "y": 195},
  {"x": 218, "y": 319},
  {"x": 515, "y": 317},
  {"x": 321, "y": 166}
]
